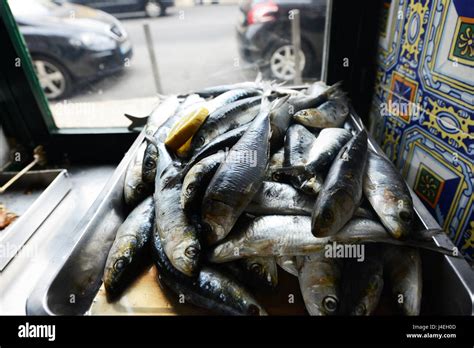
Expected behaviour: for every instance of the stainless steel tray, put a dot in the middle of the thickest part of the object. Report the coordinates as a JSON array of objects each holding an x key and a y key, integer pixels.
[
  {"x": 71, "y": 288},
  {"x": 33, "y": 197}
]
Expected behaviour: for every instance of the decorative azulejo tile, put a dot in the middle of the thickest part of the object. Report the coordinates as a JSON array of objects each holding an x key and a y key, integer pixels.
[
  {"x": 462, "y": 47},
  {"x": 413, "y": 31},
  {"x": 428, "y": 185},
  {"x": 426, "y": 59},
  {"x": 441, "y": 178},
  {"x": 444, "y": 77}
]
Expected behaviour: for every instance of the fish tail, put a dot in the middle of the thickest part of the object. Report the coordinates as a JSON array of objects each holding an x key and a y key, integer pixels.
[
  {"x": 137, "y": 122},
  {"x": 278, "y": 102},
  {"x": 334, "y": 90}
]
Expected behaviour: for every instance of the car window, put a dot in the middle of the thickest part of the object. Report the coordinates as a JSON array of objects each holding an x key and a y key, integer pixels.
[{"x": 96, "y": 66}]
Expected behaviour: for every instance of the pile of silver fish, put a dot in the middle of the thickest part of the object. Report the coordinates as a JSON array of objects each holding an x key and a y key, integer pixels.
[{"x": 237, "y": 181}]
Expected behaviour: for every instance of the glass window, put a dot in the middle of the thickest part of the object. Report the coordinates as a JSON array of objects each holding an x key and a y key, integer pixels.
[{"x": 95, "y": 62}]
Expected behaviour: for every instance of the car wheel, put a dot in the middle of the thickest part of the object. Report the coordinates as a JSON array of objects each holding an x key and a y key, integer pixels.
[
  {"x": 53, "y": 78},
  {"x": 153, "y": 9},
  {"x": 281, "y": 62}
]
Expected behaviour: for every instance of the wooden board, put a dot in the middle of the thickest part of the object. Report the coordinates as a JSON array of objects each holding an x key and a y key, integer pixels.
[{"x": 147, "y": 296}]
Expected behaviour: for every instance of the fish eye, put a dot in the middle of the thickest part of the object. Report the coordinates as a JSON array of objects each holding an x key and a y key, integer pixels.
[
  {"x": 191, "y": 187},
  {"x": 201, "y": 141},
  {"x": 120, "y": 264},
  {"x": 253, "y": 310},
  {"x": 140, "y": 188},
  {"x": 330, "y": 304},
  {"x": 328, "y": 215},
  {"x": 360, "y": 309},
  {"x": 150, "y": 164},
  {"x": 405, "y": 216},
  {"x": 191, "y": 252},
  {"x": 256, "y": 268}
]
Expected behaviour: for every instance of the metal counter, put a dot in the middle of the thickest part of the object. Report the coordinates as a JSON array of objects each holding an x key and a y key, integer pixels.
[
  {"x": 52, "y": 241},
  {"x": 69, "y": 288}
]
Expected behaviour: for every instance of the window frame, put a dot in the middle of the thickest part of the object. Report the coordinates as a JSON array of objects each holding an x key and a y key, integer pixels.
[{"x": 22, "y": 99}]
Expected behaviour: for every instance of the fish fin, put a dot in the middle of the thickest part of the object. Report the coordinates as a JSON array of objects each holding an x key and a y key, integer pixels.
[
  {"x": 137, "y": 122},
  {"x": 278, "y": 84},
  {"x": 150, "y": 140},
  {"x": 335, "y": 89},
  {"x": 267, "y": 89},
  {"x": 279, "y": 102}
]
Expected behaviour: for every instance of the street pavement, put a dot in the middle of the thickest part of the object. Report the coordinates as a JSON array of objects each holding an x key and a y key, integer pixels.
[{"x": 195, "y": 47}]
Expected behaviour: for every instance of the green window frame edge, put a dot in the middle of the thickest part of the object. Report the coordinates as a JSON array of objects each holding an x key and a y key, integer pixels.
[{"x": 26, "y": 63}]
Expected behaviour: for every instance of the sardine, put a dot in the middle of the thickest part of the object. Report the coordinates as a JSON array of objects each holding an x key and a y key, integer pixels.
[
  {"x": 388, "y": 194},
  {"x": 319, "y": 156},
  {"x": 188, "y": 101},
  {"x": 210, "y": 288},
  {"x": 342, "y": 190},
  {"x": 215, "y": 91},
  {"x": 238, "y": 178},
  {"x": 363, "y": 283},
  {"x": 271, "y": 235},
  {"x": 403, "y": 267},
  {"x": 286, "y": 235},
  {"x": 259, "y": 273},
  {"x": 165, "y": 110},
  {"x": 130, "y": 249},
  {"x": 298, "y": 144},
  {"x": 275, "y": 163},
  {"x": 162, "y": 112},
  {"x": 275, "y": 198},
  {"x": 288, "y": 263},
  {"x": 281, "y": 117},
  {"x": 317, "y": 88},
  {"x": 331, "y": 113},
  {"x": 222, "y": 143},
  {"x": 230, "y": 97},
  {"x": 319, "y": 278},
  {"x": 135, "y": 189},
  {"x": 178, "y": 235},
  {"x": 362, "y": 230},
  {"x": 152, "y": 152},
  {"x": 224, "y": 119},
  {"x": 197, "y": 179}
]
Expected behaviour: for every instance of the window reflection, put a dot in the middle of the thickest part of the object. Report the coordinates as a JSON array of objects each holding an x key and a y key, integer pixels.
[{"x": 92, "y": 58}]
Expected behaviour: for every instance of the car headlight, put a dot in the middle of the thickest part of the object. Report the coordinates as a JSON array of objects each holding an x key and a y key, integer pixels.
[{"x": 97, "y": 42}]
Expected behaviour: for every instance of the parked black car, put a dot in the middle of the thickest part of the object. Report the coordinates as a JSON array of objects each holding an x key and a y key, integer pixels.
[
  {"x": 152, "y": 8},
  {"x": 70, "y": 43},
  {"x": 264, "y": 36}
]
